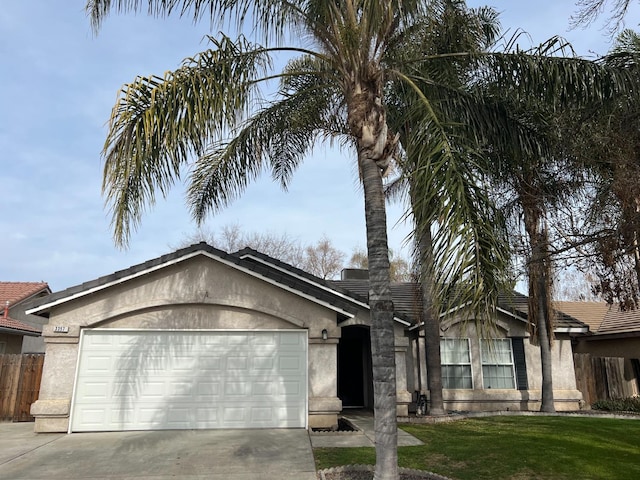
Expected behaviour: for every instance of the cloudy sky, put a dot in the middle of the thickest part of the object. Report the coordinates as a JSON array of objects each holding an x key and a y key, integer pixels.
[{"x": 58, "y": 83}]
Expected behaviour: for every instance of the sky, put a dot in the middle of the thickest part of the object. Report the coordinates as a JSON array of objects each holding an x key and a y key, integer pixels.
[{"x": 58, "y": 82}]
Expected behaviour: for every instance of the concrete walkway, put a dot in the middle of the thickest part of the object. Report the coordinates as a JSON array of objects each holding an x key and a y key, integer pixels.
[
  {"x": 283, "y": 454},
  {"x": 364, "y": 437}
]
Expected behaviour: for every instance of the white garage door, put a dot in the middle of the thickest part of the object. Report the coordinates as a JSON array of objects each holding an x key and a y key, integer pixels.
[{"x": 156, "y": 380}]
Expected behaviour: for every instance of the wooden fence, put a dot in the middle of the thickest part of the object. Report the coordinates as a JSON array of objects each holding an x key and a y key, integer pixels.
[
  {"x": 601, "y": 378},
  {"x": 19, "y": 385}
]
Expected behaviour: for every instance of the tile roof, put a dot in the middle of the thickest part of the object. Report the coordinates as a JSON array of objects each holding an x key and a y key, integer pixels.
[
  {"x": 19, "y": 327},
  {"x": 407, "y": 301},
  {"x": 591, "y": 313},
  {"x": 345, "y": 295},
  {"x": 617, "y": 321},
  {"x": 603, "y": 319},
  {"x": 274, "y": 270},
  {"x": 518, "y": 303},
  {"x": 15, "y": 292}
]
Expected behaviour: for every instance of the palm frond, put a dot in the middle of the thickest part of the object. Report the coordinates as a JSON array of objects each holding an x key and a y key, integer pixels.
[
  {"x": 276, "y": 137},
  {"x": 158, "y": 123},
  {"x": 270, "y": 18}
]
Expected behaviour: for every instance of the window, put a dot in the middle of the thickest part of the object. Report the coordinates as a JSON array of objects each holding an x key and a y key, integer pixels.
[
  {"x": 3, "y": 347},
  {"x": 497, "y": 363},
  {"x": 456, "y": 363}
]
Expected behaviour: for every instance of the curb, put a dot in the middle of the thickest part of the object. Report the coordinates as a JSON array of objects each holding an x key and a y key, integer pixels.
[{"x": 370, "y": 468}]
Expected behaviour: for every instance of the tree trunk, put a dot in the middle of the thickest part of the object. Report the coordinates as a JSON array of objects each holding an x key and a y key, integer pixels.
[
  {"x": 548, "y": 404},
  {"x": 382, "y": 335},
  {"x": 431, "y": 323},
  {"x": 540, "y": 310}
]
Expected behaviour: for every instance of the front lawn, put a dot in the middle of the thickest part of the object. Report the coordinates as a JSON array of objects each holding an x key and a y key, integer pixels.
[{"x": 515, "y": 448}]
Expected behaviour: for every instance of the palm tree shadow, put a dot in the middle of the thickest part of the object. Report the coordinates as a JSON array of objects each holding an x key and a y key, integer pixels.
[{"x": 183, "y": 380}]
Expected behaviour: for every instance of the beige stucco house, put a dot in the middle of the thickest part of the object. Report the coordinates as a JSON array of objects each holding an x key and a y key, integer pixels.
[{"x": 200, "y": 338}]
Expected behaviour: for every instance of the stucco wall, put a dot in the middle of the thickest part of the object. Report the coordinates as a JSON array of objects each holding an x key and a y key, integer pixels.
[
  {"x": 12, "y": 343},
  {"x": 567, "y": 396},
  {"x": 198, "y": 293}
]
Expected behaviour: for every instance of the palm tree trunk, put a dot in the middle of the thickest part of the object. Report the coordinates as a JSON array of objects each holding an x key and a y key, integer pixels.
[
  {"x": 540, "y": 310},
  {"x": 431, "y": 324},
  {"x": 548, "y": 404},
  {"x": 382, "y": 334}
]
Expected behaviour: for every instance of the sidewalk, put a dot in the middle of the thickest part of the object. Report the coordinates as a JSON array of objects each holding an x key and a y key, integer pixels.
[{"x": 363, "y": 437}]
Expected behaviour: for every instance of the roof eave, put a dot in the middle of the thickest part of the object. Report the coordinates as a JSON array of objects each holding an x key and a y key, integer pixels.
[
  {"x": 16, "y": 331},
  {"x": 319, "y": 285},
  {"x": 611, "y": 336},
  {"x": 571, "y": 330},
  {"x": 175, "y": 261}
]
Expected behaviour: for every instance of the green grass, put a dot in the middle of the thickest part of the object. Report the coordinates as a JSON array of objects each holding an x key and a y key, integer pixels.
[{"x": 515, "y": 448}]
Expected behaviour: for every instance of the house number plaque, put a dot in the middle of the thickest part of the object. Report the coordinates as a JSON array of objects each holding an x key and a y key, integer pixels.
[{"x": 60, "y": 329}]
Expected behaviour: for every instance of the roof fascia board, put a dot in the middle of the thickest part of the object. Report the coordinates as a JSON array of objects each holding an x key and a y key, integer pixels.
[
  {"x": 571, "y": 330},
  {"x": 453, "y": 310},
  {"x": 323, "y": 287},
  {"x": 512, "y": 314},
  {"x": 300, "y": 277},
  {"x": 595, "y": 336},
  {"x": 174, "y": 262}
]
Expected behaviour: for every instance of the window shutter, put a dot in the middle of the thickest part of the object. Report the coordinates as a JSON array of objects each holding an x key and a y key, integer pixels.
[{"x": 520, "y": 363}]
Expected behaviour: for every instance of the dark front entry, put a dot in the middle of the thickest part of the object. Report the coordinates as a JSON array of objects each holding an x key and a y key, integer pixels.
[{"x": 355, "y": 379}]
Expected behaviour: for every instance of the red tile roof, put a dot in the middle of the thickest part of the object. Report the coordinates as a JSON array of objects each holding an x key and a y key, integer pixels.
[
  {"x": 14, "y": 292},
  {"x": 16, "y": 325}
]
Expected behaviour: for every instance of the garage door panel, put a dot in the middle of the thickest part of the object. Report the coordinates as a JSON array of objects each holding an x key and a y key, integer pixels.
[{"x": 174, "y": 380}]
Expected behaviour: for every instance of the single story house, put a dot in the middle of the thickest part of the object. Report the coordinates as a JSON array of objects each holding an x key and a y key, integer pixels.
[
  {"x": 201, "y": 338},
  {"x": 20, "y": 332}
]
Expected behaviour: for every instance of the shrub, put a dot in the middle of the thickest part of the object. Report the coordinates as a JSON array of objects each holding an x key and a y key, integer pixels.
[{"x": 630, "y": 404}]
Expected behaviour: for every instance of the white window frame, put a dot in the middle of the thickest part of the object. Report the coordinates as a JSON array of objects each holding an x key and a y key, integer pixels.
[
  {"x": 488, "y": 358},
  {"x": 469, "y": 363}
]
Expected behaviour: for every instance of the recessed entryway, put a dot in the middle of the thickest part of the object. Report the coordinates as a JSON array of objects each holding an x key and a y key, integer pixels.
[{"x": 355, "y": 378}]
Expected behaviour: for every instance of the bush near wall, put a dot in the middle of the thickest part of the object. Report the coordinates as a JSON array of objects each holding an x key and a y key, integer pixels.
[{"x": 630, "y": 404}]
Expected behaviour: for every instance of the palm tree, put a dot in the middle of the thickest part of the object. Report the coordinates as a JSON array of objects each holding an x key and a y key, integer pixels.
[
  {"x": 465, "y": 259},
  {"x": 531, "y": 161},
  {"x": 209, "y": 108},
  {"x": 504, "y": 101}
]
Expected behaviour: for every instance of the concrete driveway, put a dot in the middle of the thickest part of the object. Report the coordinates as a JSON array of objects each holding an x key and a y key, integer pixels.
[{"x": 170, "y": 454}]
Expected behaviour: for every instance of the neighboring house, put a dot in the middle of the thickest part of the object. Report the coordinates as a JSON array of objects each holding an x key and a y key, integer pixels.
[
  {"x": 200, "y": 338},
  {"x": 20, "y": 332},
  {"x": 612, "y": 334}
]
